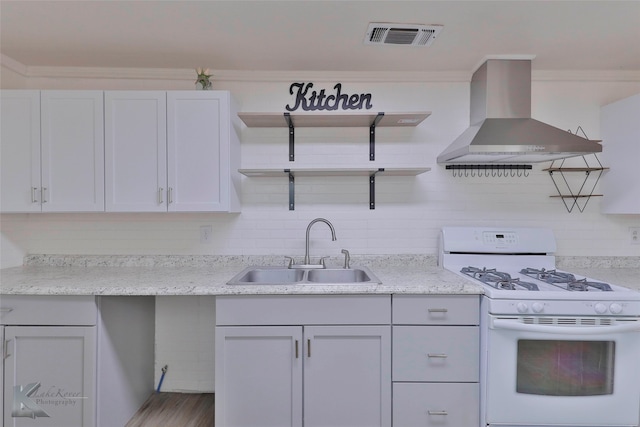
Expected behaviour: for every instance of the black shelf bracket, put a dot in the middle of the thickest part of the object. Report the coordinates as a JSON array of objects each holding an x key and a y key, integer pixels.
[
  {"x": 372, "y": 136},
  {"x": 292, "y": 190},
  {"x": 372, "y": 188},
  {"x": 287, "y": 117}
]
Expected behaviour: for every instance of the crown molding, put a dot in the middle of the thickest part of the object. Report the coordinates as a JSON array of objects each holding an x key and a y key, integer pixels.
[
  {"x": 13, "y": 65},
  {"x": 245, "y": 76},
  {"x": 288, "y": 76},
  {"x": 586, "y": 75}
]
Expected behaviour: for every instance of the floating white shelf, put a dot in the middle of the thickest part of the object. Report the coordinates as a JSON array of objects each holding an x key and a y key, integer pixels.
[
  {"x": 311, "y": 172},
  {"x": 267, "y": 120},
  {"x": 308, "y": 172}
]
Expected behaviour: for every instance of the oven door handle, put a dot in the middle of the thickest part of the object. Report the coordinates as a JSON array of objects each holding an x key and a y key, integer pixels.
[{"x": 574, "y": 330}]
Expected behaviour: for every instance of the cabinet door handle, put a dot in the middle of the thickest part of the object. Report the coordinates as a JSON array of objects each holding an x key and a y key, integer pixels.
[
  {"x": 5, "y": 349},
  {"x": 297, "y": 354},
  {"x": 437, "y": 355},
  {"x": 43, "y": 194},
  {"x": 308, "y": 348},
  {"x": 430, "y": 412},
  {"x": 160, "y": 191},
  {"x": 34, "y": 197},
  {"x": 5, "y": 310},
  {"x": 170, "y": 195}
]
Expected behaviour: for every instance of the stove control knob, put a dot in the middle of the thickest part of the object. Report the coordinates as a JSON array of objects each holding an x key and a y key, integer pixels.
[
  {"x": 522, "y": 307},
  {"x": 600, "y": 308},
  {"x": 537, "y": 307},
  {"x": 615, "y": 308}
]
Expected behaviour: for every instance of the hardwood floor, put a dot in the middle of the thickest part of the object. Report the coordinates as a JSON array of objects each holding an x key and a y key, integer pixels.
[{"x": 175, "y": 410}]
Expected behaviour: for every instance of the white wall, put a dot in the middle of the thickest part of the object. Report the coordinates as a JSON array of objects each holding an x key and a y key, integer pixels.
[{"x": 409, "y": 211}]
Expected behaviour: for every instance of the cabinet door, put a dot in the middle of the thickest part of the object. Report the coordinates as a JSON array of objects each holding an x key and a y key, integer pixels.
[
  {"x": 135, "y": 151},
  {"x": 258, "y": 375},
  {"x": 20, "y": 151},
  {"x": 620, "y": 132},
  {"x": 50, "y": 376},
  {"x": 72, "y": 132},
  {"x": 2, "y": 352},
  {"x": 347, "y": 376},
  {"x": 198, "y": 150}
]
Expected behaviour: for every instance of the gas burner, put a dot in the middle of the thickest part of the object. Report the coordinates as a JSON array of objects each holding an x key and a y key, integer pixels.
[
  {"x": 498, "y": 279},
  {"x": 583, "y": 285},
  {"x": 486, "y": 275},
  {"x": 549, "y": 276},
  {"x": 516, "y": 284}
]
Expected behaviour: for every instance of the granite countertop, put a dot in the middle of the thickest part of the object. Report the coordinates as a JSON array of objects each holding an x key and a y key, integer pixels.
[{"x": 208, "y": 275}]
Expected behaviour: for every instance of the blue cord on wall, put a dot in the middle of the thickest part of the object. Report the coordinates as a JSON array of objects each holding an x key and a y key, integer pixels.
[{"x": 164, "y": 371}]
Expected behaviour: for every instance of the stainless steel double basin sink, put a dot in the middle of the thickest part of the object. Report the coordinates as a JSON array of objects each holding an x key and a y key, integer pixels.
[{"x": 298, "y": 276}]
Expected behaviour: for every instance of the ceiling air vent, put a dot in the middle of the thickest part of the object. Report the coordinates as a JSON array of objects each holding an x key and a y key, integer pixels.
[{"x": 402, "y": 34}]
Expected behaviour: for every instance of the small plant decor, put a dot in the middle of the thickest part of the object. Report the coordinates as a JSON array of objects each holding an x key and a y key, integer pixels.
[{"x": 203, "y": 81}]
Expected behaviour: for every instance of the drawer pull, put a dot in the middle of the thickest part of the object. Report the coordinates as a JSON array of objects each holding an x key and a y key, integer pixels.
[
  {"x": 437, "y": 355},
  {"x": 5, "y": 310},
  {"x": 437, "y": 412},
  {"x": 5, "y": 350},
  {"x": 437, "y": 310}
]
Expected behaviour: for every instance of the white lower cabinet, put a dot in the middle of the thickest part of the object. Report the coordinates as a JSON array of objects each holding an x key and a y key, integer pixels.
[
  {"x": 322, "y": 369},
  {"x": 75, "y": 361},
  {"x": 435, "y": 371},
  {"x": 50, "y": 374}
]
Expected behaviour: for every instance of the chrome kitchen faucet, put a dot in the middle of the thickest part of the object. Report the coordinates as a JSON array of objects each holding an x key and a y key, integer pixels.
[{"x": 307, "y": 261}]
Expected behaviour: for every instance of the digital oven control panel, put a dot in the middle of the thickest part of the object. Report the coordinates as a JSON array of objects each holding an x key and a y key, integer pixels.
[{"x": 500, "y": 239}]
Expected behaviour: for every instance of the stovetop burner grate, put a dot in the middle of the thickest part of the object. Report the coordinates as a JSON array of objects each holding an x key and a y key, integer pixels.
[
  {"x": 566, "y": 281},
  {"x": 498, "y": 279}
]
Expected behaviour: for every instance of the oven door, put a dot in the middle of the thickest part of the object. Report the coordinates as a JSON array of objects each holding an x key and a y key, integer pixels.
[{"x": 557, "y": 372}]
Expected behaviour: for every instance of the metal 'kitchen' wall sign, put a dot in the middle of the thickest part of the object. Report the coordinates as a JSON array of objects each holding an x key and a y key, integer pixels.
[{"x": 314, "y": 100}]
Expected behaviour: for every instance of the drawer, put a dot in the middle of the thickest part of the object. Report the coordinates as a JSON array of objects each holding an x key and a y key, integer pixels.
[
  {"x": 436, "y": 309},
  {"x": 442, "y": 405},
  {"x": 436, "y": 353},
  {"x": 45, "y": 310},
  {"x": 247, "y": 310}
]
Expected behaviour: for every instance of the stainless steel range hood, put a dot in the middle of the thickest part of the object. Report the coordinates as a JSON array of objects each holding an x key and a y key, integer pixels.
[{"x": 502, "y": 130}]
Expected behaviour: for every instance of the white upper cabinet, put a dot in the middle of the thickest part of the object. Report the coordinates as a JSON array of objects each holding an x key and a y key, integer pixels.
[
  {"x": 170, "y": 151},
  {"x": 136, "y": 151},
  {"x": 620, "y": 132},
  {"x": 20, "y": 151},
  {"x": 72, "y": 132},
  {"x": 202, "y": 151},
  {"x": 52, "y": 151}
]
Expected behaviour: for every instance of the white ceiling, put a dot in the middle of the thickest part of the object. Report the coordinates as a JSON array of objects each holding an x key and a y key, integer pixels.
[{"x": 301, "y": 35}]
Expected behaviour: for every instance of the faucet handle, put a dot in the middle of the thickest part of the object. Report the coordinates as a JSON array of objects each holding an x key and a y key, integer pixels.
[
  {"x": 347, "y": 258},
  {"x": 290, "y": 261},
  {"x": 322, "y": 263}
]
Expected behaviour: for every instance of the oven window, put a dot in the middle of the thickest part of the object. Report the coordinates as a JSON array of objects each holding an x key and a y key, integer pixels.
[{"x": 565, "y": 368}]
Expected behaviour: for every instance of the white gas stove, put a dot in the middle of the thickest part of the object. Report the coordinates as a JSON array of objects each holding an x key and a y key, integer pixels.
[
  {"x": 516, "y": 267},
  {"x": 556, "y": 348}
]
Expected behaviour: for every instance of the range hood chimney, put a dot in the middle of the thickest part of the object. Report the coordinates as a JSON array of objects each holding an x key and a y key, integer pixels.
[{"x": 501, "y": 128}]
